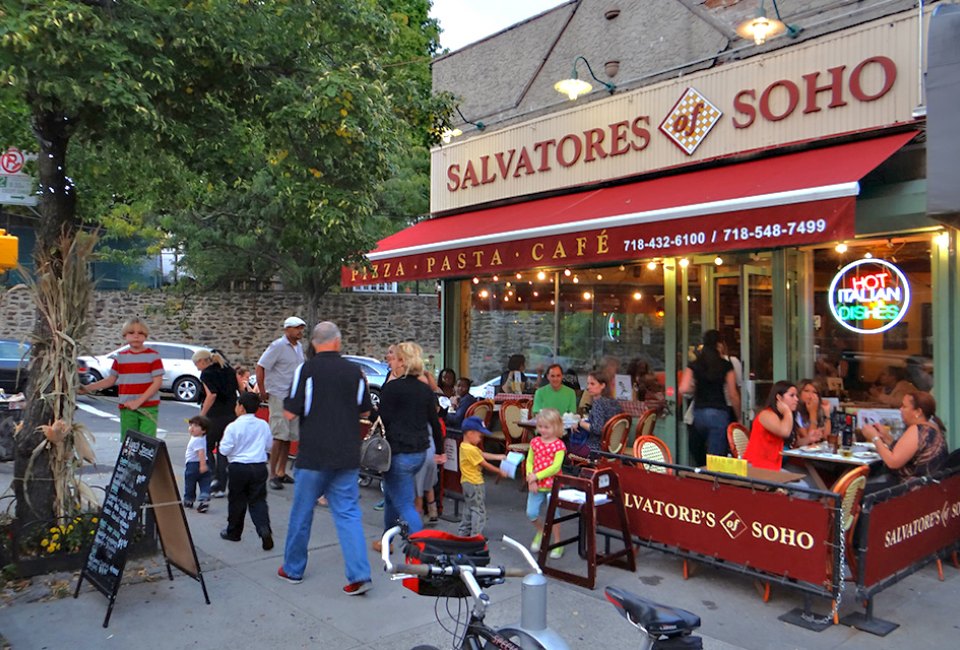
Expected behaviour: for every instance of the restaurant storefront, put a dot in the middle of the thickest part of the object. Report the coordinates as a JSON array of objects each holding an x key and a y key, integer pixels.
[{"x": 780, "y": 200}]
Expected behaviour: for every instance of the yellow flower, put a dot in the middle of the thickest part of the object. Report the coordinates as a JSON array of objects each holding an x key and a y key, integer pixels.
[
  {"x": 94, "y": 520},
  {"x": 54, "y": 529},
  {"x": 44, "y": 542}
]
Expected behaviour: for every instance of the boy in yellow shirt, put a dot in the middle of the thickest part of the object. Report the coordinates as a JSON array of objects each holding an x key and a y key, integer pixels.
[{"x": 472, "y": 463}]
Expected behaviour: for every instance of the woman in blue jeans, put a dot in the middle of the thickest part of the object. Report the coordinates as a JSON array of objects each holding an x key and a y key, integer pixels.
[
  {"x": 409, "y": 411},
  {"x": 711, "y": 379}
]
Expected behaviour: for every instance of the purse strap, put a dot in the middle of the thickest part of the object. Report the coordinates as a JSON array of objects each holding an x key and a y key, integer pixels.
[{"x": 376, "y": 429}]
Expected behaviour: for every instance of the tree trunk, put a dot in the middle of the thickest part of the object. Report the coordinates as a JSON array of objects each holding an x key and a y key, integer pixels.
[{"x": 35, "y": 493}]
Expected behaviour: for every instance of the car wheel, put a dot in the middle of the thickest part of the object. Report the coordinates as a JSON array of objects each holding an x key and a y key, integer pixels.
[
  {"x": 186, "y": 389},
  {"x": 89, "y": 377},
  {"x": 375, "y": 398}
]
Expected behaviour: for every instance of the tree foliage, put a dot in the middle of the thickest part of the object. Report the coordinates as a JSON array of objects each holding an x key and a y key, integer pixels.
[{"x": 262, "y": 138}]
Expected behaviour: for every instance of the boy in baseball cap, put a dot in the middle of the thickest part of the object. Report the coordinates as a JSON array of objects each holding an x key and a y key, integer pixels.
[{"x": 472, "y": 463}]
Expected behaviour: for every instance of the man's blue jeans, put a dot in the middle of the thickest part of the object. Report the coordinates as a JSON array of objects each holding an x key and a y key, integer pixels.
[
  {"x": 340, "y": 488},
  {"x": 399, "y": 491}
]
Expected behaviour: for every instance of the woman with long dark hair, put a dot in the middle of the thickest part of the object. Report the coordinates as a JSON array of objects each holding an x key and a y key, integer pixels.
[
  {"x": 773, "y": 427},
  {"x": 706, "y": 378},
  {"x": 219, "y": 406}
]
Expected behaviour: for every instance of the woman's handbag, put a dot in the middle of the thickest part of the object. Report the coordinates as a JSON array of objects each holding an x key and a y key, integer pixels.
[{"x": 375, "y": 452}]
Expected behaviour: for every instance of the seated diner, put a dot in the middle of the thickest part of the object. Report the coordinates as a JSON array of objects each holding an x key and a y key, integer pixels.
[
  {"x": 774, "y": 425},
  {"x": 920, "y": 451},
  {"x": 556, "y": 394}
]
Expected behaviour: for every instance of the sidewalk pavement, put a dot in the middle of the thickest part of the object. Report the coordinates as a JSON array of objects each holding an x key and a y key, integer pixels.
[{"x": 250, "y": 607}]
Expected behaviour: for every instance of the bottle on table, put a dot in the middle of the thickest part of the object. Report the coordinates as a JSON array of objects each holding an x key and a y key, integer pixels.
[{"x": 846, "y": 443}]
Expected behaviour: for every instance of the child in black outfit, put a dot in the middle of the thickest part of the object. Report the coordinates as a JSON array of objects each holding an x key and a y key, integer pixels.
[{"x": 246, "y": 442}]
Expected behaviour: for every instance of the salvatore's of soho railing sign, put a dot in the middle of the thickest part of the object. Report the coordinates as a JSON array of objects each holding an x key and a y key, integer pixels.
[{"x": 869, "y": 296}]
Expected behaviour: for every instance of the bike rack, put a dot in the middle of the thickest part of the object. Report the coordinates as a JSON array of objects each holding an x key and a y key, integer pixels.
[{"x": 591, "y": 484}]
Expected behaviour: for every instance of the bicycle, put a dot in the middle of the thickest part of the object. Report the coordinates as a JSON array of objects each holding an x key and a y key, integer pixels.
[{"x": 455, "y": 567}]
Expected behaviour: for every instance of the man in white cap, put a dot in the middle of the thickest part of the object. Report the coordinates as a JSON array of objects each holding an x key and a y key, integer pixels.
[{"x": 275, "y": 371}]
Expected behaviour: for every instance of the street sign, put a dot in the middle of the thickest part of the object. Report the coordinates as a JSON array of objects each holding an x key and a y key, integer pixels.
[
  {"x": 11, "y": 161},
  {"x": 17, "y": 189}
]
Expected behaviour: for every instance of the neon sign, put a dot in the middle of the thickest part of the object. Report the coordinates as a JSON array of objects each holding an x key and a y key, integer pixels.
[
  {"x": 613, "y": 327},
  {"x": 869, "y": 296}
]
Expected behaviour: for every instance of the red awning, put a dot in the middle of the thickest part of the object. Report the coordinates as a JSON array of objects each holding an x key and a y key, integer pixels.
[{"x": 788, "y": 200}]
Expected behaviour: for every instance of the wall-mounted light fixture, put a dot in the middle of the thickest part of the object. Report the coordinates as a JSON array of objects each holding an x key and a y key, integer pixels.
[
  {"x": 449, "y": 134},
  {"x": 575, "y": 87},
  {"x": 760, "y": 27}
]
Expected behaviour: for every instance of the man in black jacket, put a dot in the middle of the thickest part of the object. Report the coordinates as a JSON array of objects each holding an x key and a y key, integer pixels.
[{"x": 329, "y": 396}]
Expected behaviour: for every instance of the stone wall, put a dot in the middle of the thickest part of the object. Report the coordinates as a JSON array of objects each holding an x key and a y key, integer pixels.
[{"x": 243, "y": 324}]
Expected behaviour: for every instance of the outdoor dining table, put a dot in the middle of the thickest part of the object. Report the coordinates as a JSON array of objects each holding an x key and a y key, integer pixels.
[{"x": 824, "y": 463}]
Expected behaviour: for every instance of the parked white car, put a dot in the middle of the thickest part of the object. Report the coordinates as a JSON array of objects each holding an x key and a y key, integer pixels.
[{"x": 180, "y": 376}]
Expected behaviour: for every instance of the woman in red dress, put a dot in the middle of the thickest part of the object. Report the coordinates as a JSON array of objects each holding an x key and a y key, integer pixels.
[{"x": 773, "y": 426}]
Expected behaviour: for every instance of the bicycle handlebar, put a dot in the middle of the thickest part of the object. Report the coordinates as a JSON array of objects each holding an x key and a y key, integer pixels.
[{"x": 456, "y": 569}]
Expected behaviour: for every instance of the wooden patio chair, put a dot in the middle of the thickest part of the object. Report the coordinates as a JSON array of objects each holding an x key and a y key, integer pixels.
[
  {"x": 615, "y": 433},
  {"x": 653, "y": 448},
  {"x": 739, "y": 437}
]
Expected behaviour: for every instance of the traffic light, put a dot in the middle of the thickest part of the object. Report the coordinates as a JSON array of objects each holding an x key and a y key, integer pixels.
[{"x": 8, "y": 251}]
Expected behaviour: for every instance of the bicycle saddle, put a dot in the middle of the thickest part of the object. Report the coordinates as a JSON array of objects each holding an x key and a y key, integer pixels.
[{"x": 655, "y": 618}]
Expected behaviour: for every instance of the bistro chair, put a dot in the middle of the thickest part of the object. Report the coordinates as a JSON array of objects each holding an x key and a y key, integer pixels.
[
  {"x": 850, "y": 487},
  {"x": 646, "y": 424},
  {"x": 483, "y": 409},
  {"x": 512, "y": 431},
  {"x": 615, "y": 433},
  {"x": 738, "y": 436},
  {"x": 514, "y": 436},
  {"x": 652, "y": 448}
]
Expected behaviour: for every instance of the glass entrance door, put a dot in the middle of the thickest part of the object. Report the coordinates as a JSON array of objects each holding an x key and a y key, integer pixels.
[{"x": 744, "y": 315}]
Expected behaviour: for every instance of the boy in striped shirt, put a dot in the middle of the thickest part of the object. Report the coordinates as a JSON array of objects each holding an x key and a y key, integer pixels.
[{"x": 137, "y": 372}]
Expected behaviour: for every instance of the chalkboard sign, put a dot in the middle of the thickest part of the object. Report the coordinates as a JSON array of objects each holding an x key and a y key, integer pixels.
[{"x": 143, "y": 470}]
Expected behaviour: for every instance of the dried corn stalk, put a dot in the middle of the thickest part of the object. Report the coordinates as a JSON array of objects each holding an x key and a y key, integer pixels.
[{"x": 62, "y": 302}]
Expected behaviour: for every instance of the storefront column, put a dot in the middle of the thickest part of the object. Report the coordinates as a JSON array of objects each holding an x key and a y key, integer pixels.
[
  {"x": 454, "y": 320},
  {"x": 946, "y": 321},
  {"x": 781, "y": 320},
  {"x": 674, "y": 436},
  {"x": 805, "y": 331}
]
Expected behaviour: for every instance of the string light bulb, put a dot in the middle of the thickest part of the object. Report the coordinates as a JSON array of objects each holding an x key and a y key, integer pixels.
[
  {"x": 841, "y": 248},
  {"x": 541, "y": 276},
  {"x": 684, "y": 263},
  {"x": 718, "y": 260},
  {"x": 637, "y": 295},
  {"x": 651, "y": 265},
  {"x": 587, "y": 295}
]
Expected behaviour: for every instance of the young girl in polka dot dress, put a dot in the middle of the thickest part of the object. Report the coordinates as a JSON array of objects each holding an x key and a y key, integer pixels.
[{"x": 543, "y": 463}]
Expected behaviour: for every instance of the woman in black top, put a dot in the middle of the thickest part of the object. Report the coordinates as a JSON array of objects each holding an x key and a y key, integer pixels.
[
  {"x": 706, "y": 378},
  {"x": 407, "y": 406},
  {"x": 219, "y": 406}
]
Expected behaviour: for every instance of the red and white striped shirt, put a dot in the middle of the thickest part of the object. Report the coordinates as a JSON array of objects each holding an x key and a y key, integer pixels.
[{"x": 135, "y": 372}]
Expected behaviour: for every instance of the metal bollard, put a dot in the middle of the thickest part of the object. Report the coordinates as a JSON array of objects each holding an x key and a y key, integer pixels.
[{"x": 533, "y": 603}]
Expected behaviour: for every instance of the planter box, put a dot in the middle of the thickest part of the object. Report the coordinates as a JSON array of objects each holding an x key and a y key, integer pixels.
[{"x": 34, "y": 565}]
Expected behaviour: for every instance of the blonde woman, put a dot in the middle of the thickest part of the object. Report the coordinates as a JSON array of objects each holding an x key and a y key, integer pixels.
[
  {"x": 408, "y": 407},
  {"x": 219, "y": 406}
]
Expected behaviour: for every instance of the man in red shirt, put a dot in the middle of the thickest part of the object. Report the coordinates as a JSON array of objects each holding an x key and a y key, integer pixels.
[{"x": 137, "y": 372}]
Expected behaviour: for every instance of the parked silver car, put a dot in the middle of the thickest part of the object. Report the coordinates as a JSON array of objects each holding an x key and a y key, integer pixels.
[
  {"x": 376, "y": 372},
  {"x": 180, "y": 376}
]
